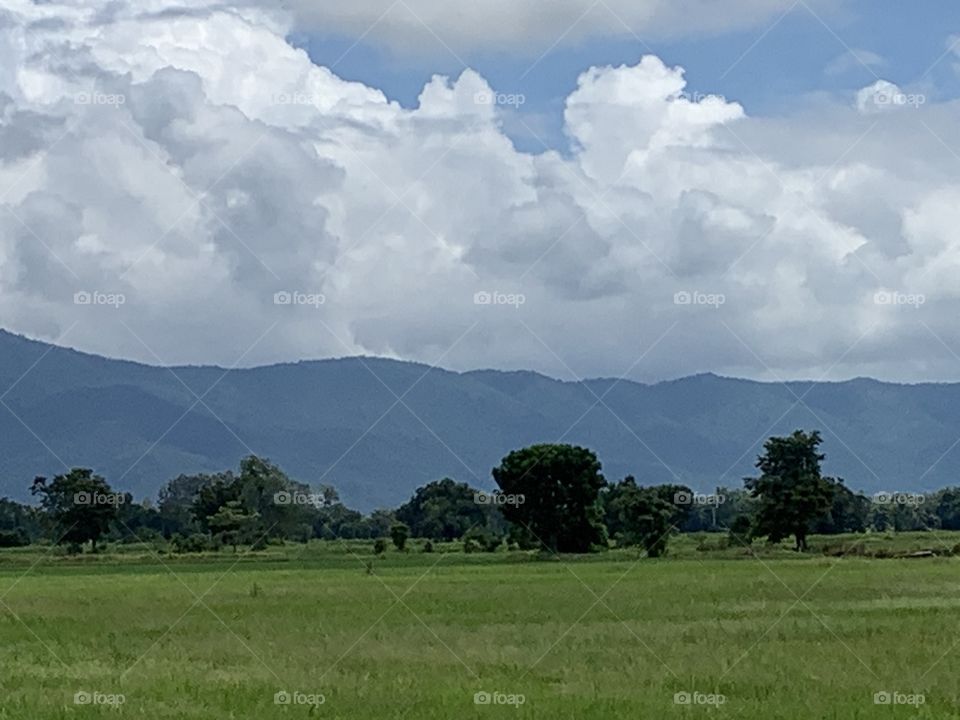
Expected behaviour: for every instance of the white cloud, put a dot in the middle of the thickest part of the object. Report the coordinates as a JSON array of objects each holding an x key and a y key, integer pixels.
[{"x": 198, "y": 164}]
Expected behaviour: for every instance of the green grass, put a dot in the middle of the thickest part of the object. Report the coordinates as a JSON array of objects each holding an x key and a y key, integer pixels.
[{"x": 778, "y": 635}]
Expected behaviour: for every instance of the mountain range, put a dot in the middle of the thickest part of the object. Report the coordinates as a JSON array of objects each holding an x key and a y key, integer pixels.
[{"x": 376, "y": 429}]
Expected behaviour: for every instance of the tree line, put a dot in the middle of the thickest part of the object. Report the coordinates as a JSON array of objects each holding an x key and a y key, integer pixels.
[{"x": 550, "y": 497}]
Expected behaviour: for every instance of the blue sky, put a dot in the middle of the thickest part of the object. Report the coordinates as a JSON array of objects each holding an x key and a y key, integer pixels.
[{"x": 771, "y": 70}]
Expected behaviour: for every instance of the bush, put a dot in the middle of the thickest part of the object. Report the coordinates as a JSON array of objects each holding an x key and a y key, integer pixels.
[
  {"x": 380, "y": 546},
  {"x": 428, "y": 546},
  {"x": 482, "y": 540},
  {"x": 399, "y": 534},
  {"x": 13, "y": 538},
  {"x": 195, "y": 543}
]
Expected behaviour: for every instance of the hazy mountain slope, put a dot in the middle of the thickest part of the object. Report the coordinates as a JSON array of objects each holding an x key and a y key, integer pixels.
[{"x": 378, "y": 428}]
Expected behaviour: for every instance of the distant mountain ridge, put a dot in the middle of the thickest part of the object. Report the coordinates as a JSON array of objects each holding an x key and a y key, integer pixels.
[{"x": 340, "y": 422}]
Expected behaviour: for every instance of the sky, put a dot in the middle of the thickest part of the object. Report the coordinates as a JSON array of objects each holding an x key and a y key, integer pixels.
[{"x": 621, "y": 188}]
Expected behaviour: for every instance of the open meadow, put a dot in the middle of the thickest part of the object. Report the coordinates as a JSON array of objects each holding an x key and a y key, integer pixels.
[{"x": 329, "y": 630}]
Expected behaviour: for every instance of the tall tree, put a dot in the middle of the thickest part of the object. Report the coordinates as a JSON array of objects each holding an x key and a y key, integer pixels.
[
  {"x": 442, "y": 510},
  {"x": 80, "y": 506},
  {"x": 645, "y": 515},
  {"x": 554, "y": 491},
  {"x": 791, "y": 493}
]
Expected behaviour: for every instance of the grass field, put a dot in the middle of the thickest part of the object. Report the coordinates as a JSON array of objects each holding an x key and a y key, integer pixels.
[{"x": 419, "y": 635}]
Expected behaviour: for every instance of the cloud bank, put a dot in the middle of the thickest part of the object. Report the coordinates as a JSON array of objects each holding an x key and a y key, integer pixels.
[{"x": 248, "y": 206}]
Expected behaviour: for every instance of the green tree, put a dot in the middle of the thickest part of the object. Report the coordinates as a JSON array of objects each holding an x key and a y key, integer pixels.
[
  {"x": 21, "y": 521},
  {"x": 79, "y": 505},
  {"x": 849, "y": 512},
  {"x": 554, "y": 492},
  {"x": 176, "y": 501},
  {"x": 233, "y": 524},
  {"x": 645, "y": 515},
  {"x": 947, "y": 508},
  {"x": 442, "y": 510},
  {"x": 791, "y": 493}
]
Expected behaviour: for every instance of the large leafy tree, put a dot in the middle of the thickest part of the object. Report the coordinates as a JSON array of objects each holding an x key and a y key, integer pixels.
[
  {"x": 560, "y": 487},
  {"x": 644, "y": 515},
  {"x": 79, "y": 505},
  {"x": 791, "y": 493},
  {"x": 849, "y": 512},
  {"x": 442, "y": 510},
  {"x": 176, "y": 501}
]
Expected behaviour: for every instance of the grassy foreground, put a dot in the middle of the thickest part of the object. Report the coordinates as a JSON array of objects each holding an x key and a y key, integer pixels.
[{"x": 314, "y": 632}]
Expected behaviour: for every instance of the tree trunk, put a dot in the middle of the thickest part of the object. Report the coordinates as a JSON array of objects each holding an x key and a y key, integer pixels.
[{"x": 801, "y": 542}]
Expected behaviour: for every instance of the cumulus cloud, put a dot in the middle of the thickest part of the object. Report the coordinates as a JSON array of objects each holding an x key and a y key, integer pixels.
[{"x": 249, "y": 206}]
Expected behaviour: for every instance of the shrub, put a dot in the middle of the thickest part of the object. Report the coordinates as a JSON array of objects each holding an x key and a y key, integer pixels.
[
  {"x": 399, "y": 534},
  {"x": 195, "y": 543},
  {"x": 13, "y": 538}
]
